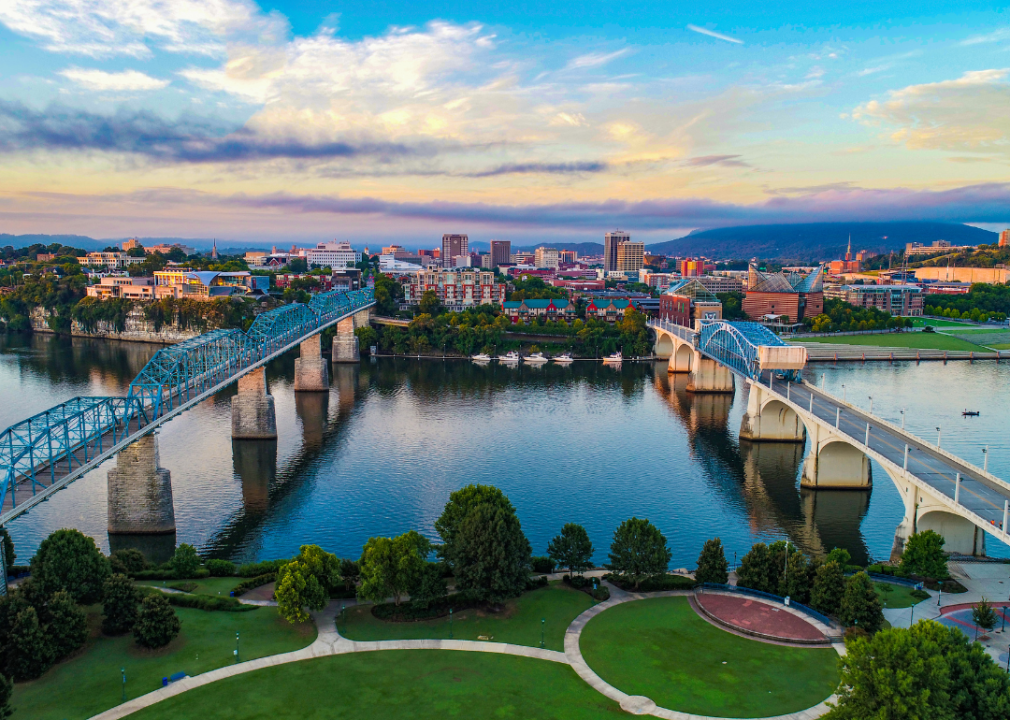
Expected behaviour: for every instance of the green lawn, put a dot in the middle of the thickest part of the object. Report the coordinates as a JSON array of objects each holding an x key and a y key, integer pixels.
[
  {"x": 208, "y": 586},
  {"x": 899, "y": 597},
  {"x": 921, "y": 322},
  {"x": 660, "y": 648},
  {"x": 395, "y": 685},
  {"x": 91, "y": 682},
  {"x": 915, "y": 340},
  {"x": 519, "y": 623}
]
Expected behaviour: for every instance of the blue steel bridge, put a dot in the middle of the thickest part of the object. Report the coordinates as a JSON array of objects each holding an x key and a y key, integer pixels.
[{"x": 45, "y": 453}]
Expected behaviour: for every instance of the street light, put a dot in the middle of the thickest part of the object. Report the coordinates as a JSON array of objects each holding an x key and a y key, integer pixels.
[
  {"x": 123, "y": 670},
  {"x": 237, "y": 656},
  {"x": 902, "y": 418},
  {"x": 985, "y": 461},
  {"x": 450, "y": 623},
  {"x": 938, "y": 436},
  {"x": 871, "y": 404},
  {"x": 843, "y": 393},
  {"x": 542, "y": 621}
]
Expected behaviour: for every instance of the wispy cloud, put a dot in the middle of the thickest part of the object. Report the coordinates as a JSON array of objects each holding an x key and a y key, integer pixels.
[
  {"x": 713, "y": 33},
  {"x": 99, "y": 80},
  {"x": 706, "y": 160},
  {"x": 592, "y": 60}
]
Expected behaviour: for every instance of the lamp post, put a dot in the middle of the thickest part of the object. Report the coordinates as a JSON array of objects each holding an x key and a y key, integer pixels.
[
  {"x": 123, "y": 670},
  {"x": 871, "y": 404},
  {"x": 844, "y": 391},
  {"x": 938, "y": 436},
  {"x": 542, "y": 621},
  {"x": 902, "y": 418},
  {"x": 450, "y": 623},
  {"x": 342, "y": 606},
  {"x": 985, "y": 460},
  {"x": 238, "y": 658}
]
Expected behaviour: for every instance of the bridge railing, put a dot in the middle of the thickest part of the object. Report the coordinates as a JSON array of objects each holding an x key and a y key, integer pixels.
[
  {"x": 39, "y": 451},
  {"x": 686, "y": 334}
]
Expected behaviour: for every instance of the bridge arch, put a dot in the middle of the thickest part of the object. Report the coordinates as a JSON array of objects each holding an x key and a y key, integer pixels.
[
  {"x": 834, "y": 463},
  {"x": 682, "y": 360},
  {"x": 768, "y": 419},
  {"x": 664, "y": 345},
  {"x": 960, "y": 534}
]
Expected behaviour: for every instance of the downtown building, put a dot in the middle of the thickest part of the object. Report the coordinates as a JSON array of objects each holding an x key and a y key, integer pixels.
[
  {"x": 332, "y": 254},
  {"x": 457, "y": 289},
  {"x": 501, "y": 253},
  {"x": 620, "y": 254},
  {"x": 453, "y": 246}
]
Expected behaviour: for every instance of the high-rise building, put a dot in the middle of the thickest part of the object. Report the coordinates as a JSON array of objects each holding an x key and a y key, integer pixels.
[
  {"x": 501, "y": 252},
  {"x": 453, "y": 246},
  {"x": 1004, "y": 238},
  {"x": 630, "y": 257},
  {"x": 547, "y": 257},
  {"x": 610, "y": 242},
  {"x": 568, "y": 256}
]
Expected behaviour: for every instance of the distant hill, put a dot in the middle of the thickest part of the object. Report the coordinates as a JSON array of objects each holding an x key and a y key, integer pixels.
[
  {"x": 78, "y": 241},
  {"x": 811, "y": 242}
]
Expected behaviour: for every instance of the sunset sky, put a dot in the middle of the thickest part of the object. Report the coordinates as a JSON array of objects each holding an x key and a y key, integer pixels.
[{"x": 394, "y": 121}]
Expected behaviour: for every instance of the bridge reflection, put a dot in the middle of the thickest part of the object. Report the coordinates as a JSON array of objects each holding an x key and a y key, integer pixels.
[{"x": 763, "y": 477}]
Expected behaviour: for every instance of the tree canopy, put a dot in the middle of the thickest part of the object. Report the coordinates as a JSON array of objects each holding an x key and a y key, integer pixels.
[
  {"x": 923, "y": 555},
  {"x": 69, "y": 560},
  {"x": 392, "y": 566},
  {"x": 571, "y": 549},
  {"x": 712, "y": 565},
  {"x": 638, "y": 550},
  {"x": 489, "y": 553}
]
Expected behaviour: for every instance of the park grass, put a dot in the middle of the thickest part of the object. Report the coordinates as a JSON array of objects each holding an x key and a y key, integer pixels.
[
  {"x": 915, "y": 341},
  {"x": 395, "y": 685},
  {"x": 662, "y": 649},
  {"x": 899, "y": 597},
  {"x": 90, "y": 682},
  {"x": 921, "y": 322},
  {"x": 519, "y": 623},
  {"x": 208, "y": 586}
]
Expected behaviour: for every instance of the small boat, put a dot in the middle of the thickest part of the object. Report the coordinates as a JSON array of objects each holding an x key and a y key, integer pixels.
[
  {"x": 510, "y": 357},
  {"x": 614, "y": 359},
  {"x": 536, "y": 358},
  {"x": 564, "y": 359},
  {"x": 971, "y": 413},
  {"x": 481, "y": 358}
]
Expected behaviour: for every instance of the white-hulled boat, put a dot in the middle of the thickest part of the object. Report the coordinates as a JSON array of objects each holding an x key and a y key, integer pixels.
[
  {"x": 481, "y": 358},
  {"x": 614, "y": 359},
  {"x": 564, "y": 359},
  {"x": 536, "y": 358},
  {"x": 511, "y": 357}
]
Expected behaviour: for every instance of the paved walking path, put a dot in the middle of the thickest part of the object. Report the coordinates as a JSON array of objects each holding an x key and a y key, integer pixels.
[{"x": 330, "y": 642}]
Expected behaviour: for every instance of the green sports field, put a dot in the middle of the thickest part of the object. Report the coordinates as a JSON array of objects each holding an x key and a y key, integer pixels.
[{"x": 916, "y": 341}]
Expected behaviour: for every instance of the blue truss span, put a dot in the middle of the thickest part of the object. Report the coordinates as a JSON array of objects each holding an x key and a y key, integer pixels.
[
  {"x": 58, "y": 445},
  {"x": 735, "y": 344}
]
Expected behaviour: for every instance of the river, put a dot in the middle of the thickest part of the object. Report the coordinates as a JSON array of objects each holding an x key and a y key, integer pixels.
[{"x": 590, "y": 444}]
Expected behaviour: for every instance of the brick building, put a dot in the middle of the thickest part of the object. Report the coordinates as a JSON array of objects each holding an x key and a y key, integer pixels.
[
  {"x": 793, "y": 295},
  {"x": 457, "y": 289}
]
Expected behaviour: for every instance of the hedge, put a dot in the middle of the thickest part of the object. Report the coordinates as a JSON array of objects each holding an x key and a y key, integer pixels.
[
  {"x": 200, "y": 602},
  {"x": 654, "y": 583},
  {"x": 250, "y": 570},
  {"x": 407, "y": 612},
  {"x": 165, "y": 573},
  {"x": 246, "y": 585}
]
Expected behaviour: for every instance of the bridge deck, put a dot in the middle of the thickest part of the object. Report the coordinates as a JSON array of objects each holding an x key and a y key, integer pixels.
[{"x": 979, "y": 494}]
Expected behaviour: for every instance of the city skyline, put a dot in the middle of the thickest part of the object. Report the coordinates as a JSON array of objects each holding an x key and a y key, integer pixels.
[{"x": 278, "y": 123}]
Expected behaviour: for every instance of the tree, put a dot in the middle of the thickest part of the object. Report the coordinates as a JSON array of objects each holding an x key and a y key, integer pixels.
[
  {"x": 119, "y": 606},
  {"x": 840, "y": 556},
  {"x": 185, "y": 562},
  {"x": 431, "y": 588},
  {"x": 430, "y": 304},
  {"x": 860, "y": 606},
  {"x": 712, "y": 565},
  {"x": 350, "y": 571},
  {"x": 571, "y": 549},
  {"x": 638, "y": 551},
  {"x": 924, "y": 556},
  {"x": 795, "y": 584},
  {"x": 157, "y": 624},
  {"x": 69, "y": 560},
  {"x": 324, "y": 566},
  {"x": 28, "y": 651},
  {"x": 68, "y": 624},
  {"x": 983, "y": 615},
  {"x": 461, "y": 502},
  {"x": 297, "y": 588},
  {"x": 127, "y": 561},
  {"x": 490, "y": 554},
  {"x": 392, "y": 566},
  {"x": 9, "y": 555},
  {"x": 6, "y": 691},
  {"x": 828, "y": 590},
  {"x": 755, "y": 571}
]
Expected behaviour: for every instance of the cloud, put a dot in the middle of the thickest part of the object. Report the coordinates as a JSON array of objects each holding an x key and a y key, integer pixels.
[
  {"x": 542, "y": 168},
  {"x": 104, "y": 81},
  {"x": 726, "y": 160},
  {"x": 102, "y": 28},
  {"x": 969, "y": 113},
  {"x": 995, "y": 36},
  {"x": 592, "y": 60},
  {"x": 713, "y": 33}
]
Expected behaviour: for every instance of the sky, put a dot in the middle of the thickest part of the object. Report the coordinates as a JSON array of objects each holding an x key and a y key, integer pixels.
[{"x": 396, "y": 122}]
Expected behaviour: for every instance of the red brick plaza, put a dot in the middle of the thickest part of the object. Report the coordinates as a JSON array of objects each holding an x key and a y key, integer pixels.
[{"x": 751, "y": 615}]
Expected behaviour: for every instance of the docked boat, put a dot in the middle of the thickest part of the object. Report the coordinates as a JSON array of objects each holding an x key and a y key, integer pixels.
[
  {"x": 510, "y": 357},
  {"x": 614, "y": 359},
  {"x": 563, "y": 359},
  {"x": 481, "y": 358},
  {"x": 536, "y": 358}
]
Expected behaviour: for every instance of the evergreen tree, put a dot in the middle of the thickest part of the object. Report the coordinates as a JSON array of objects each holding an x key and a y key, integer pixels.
[
  {"x": 638, "y": 551},
  {"x": 828, "y": 590},
  {"x": 860, "y": 606},
  {"x": 157, "y": 624},
  {"x": 840, "y": 556},
  {"x": 119, "y": 606},
  {"x": 755, "y": 570},
  {"x": 984, "y": 616},
  {"x": 127, "y": 561},
  {"x": 68, "y": 625},
  {"x": 392, "y": 566},
  {"x": 778, "y": 554},
  {"x": 6, "y": 691},
  {"x": 712, "y": 565},
  {"x": 28, "y": 651},
  {"x": 8, "y": 550},
  {"x": 461, "y": 502},
  {"x": 185, "y": 562},
  {"x": 571, "y": 549},
  {"x": 796, "y": 582},
  {"x": 490, "y": 554},
  {"x": 924, "y": 556},
  {"x": 69, "y": 560}
]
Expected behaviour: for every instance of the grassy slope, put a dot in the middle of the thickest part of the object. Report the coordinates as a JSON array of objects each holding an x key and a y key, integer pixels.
[
  {"x": 916, "y": 341},
  {"x": 395, "y": 685},
  {"x": 90, "y": 682},
  {"x": 518, "y": 624},
  {"x": 899, "y": 597},
  {"x": 209, "y": 586},
  {"x": 660, "y": 648}
]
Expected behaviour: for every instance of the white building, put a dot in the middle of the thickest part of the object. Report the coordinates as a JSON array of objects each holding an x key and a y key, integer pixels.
[
  {"x": 389, "y": 264},
  {"x": 113, "y": 260},
  {"x": 333, "y": 254},
  {"x": 546, "y": 258}
]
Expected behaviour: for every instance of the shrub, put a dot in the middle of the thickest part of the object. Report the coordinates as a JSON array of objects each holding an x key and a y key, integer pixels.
[
  {"x": 69, "y": 560},
  {"x": 186, "y": 587},
  {"x": 6, "y": 690},
  {"x": 408, "y": 611},
  {"x": 542, "y": 565},
  {"x": 28, "y": 652},
  {"x": 119, "y": 606},
  {"x": 578, "y": 581},
  {"x": 537, "y": 582},
  {"x": 167, "y": 573},
  {"x": 654, "y": 583},
  {"x": 221, "y": 568},
  {"x": 601, "y": 593},
  {"x": 185, "y": 562},
  {"x": 260, "y": 568},
  {"x": 68, "y": 625},
  {"x": 919, "y": 594},
  {"x": 246, "y": 585},
  {"x": 210, "y": 603},
  {"x": 431, "y": 587},
  {"x": 157, "y": 624},
  {"x": 128, "y": 561}
]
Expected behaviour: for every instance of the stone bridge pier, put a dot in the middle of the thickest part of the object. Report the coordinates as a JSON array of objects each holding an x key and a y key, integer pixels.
[
  {"x": 253, "y": 416},
  {"x": 924, "y": 513},
  {"x": 140, "y": 492},
  {"x": 311, "y": 373},
  {"x": 709, "y": 376},
  {"x": 833, "y": 463},
  {"x": 345, "y": 344},
  {"x": 768, "y": 419}
]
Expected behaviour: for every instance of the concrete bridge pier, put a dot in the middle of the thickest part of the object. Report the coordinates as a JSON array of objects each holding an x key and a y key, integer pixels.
[
  {"x": 345, "y": 344},
  {"x": 833, "y": 463},
  {"x": 922, "y": 513},
  {"x": 769, "y": 419},
  {"x": 709, "y": 376},
  {"x": 252, "y": 411},
  {"x": 311, "y": 373},
  {"x": 140, "y": 492}
]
